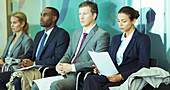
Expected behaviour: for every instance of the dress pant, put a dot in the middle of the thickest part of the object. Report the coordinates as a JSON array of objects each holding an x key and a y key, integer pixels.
[
  {"x": 17, "y": 83},
  {"x": 4, "y": 79},
  {"x": 98, "y": 82},
  {"x": 68, "y": 83}
]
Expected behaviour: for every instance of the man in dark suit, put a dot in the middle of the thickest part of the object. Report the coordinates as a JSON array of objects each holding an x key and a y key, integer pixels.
[
  {"x": 77, "y": 55},
  {"x": 54, "y": 44}
]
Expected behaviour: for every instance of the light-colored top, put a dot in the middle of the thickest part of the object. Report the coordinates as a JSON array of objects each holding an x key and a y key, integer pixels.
[
  {"x": 124, "y": 43},
  {"x": 48, "y": 34},
  {"x": 153, "y": 76},
  {"x": 10, "y": 48},
  {"x": 87, "y": 31}
]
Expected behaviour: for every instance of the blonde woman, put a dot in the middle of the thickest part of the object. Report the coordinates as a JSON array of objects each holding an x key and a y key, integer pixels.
[{"x": 17, "y": 44}]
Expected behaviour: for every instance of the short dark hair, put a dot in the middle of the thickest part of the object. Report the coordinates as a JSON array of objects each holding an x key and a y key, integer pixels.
[
  {"x": 55, "y": 12},
  {"x": 129, "y": 11},
  {"x": 92, "y": 5}
]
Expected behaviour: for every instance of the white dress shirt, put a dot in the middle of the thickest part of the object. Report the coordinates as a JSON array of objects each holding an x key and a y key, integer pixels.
[
  {"x": 87, "y": 31},
  {"x": 124, "y": 43},
  {"x": 48, "y": 34}
]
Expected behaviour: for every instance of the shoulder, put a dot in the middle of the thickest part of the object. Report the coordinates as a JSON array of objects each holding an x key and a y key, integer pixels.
[
  {"x": 78, "y": 31},
  {"x": 117, "y": 37},
  {"x": 26, "y": 36},
  {"x": 27, "y": 39},
  {"x": 141, "y": 36},
  {"x": 60, "y": 32},
  {"x": 101, "y": 32}
]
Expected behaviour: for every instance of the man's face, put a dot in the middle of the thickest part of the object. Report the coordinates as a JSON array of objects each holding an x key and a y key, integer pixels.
[
  {"x": 46, "y": 18},
  {"x": 86, "y": 17}
]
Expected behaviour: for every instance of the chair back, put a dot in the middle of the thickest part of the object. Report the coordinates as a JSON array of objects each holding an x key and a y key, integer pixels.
[{"x": 153, "y": 62}]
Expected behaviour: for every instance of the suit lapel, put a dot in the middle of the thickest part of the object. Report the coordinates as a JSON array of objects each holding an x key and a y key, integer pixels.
[
  {"x": 116, "y": 47},
  {"x": 89, "y": 36},
  {"x": 37, "y": 40},
  {"x": 17, "y": 43},
  {"x": 51, "y": 36},
  {"x": 130, "y": 45},
  {"x": 76, "y": 40}
]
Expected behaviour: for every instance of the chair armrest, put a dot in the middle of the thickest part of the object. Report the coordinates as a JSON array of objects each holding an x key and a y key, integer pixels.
[
  {"x": 85, "y": 70},
  {"x": 81, "y": 75},
  {"x": 45, "y": 69},
  {"x": 7, "y": 66}
]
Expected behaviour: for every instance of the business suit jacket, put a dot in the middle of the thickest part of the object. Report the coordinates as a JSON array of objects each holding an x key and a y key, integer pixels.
[
  {"x": 20, "y": 48},
  {"x": 97, "y": 39},
  {"x": 54, "y": 48},
  {"x": 136, "y": 55}
]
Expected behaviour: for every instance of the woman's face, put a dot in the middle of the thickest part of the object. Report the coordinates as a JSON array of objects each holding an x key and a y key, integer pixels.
[
  {"x": 16, "y": 26},
  {"x": 124, "y": 22}
]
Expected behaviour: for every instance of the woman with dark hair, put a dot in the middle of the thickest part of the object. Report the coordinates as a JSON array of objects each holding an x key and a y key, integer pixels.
[{"x": 129, "y": 51}]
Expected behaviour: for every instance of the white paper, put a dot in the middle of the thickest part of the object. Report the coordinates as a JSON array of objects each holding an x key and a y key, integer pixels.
[
  {"x": 44, "y": 83},
  {"x": 104, "y": 63}
]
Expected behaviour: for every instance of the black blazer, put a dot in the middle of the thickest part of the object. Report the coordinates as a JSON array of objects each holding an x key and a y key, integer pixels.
[
  {"x": 54, "y": 48},
  {"x": 136, "y": 55}
]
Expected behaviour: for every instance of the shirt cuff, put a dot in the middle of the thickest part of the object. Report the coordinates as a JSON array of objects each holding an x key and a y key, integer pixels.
[
  {"x": 34, "y": 64},
  {"x": 73, "y": 68}
]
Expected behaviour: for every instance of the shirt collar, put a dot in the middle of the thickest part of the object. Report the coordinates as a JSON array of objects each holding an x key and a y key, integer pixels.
[
  {"x": 130, "y": 36},
  {"x": 49, "y": 31},
  {"x": 88, "y": 29}
]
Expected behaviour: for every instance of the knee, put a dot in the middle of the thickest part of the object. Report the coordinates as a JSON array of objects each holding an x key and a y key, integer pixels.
[
  {"x": 56, "y": 86},
  {"x": 89, "y": 78}
]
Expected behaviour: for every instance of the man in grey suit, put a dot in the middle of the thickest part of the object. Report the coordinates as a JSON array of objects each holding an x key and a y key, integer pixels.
[{"x": 82, "y": 40}]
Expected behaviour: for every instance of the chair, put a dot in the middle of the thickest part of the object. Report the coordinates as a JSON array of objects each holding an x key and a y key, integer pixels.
[
  {"x": 153, "y": 62},
  {"x": 84, "y": 72},
  {"x": 9, "y": 62}
]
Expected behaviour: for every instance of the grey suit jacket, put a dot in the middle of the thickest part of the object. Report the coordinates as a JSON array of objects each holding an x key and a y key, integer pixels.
[
  {"x": 97, "y": 39},
  {"x": 20, "y": 48}
]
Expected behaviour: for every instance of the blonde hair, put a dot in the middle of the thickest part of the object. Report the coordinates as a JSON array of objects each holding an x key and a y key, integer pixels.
[{"x": 22, "y": 18}]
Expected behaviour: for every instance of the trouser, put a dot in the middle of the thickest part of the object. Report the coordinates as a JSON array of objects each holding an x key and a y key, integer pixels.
[
  {"x": 4, "y": 79},
  {"x": 98, "y": 82}
]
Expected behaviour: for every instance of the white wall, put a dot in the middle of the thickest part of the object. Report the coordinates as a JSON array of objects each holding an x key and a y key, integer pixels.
[{"x": 3, "y": 33}]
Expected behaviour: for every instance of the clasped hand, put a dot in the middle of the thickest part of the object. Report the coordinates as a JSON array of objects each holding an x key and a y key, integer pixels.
[
  {"x": 26, "y": 63},
  {"x": 113, "y": 78},
  {"x": 63, "y": 68}
]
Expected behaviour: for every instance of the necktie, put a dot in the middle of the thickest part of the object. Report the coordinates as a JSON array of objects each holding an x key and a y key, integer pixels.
[
  {"x": 41, "y": 46},
  {"x": 84, "y": 37}
]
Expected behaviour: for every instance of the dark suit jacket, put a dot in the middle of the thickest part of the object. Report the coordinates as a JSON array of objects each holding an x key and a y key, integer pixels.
[
  {"x": 20, "y": 48},
  {"x": 136, "y": 55},
  {"x": 54, "y": 48}
]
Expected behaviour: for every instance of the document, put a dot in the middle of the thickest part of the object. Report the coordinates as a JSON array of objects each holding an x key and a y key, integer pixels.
[
  {"x": 44, "y": 83},
  {"x": 104, "y": 63}
]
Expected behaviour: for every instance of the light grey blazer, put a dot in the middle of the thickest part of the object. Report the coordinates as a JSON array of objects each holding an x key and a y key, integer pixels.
[
  {"x": 97, "y": 39},
  {"x": 20, "y": 47}
]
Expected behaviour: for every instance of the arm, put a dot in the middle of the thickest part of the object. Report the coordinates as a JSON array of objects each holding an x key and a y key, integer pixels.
[
  {"x": 68, "y": 54},
  {"x": 56, "y": 49},
  {"x": 25, "y": 45},
  {"x": 143, "y": 51}
]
